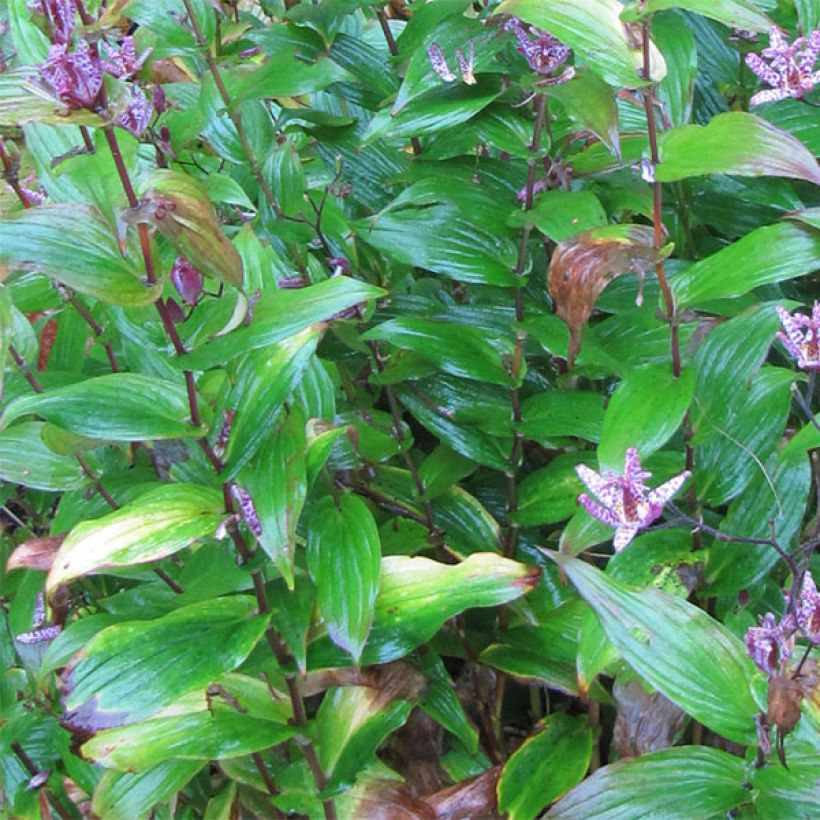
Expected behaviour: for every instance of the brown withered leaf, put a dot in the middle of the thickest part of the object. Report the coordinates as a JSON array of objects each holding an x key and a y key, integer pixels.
[
  {"x": 391, "y": 800},
  {"x": 36, "y": 553},
  {"x": 180, "y": 208},
  {"x": 414, "y": 751},
  {"x": 785, "y": 697},
  {"x": 469, "y": 799},
  {"x": 645, "y": 722},
  {"x": 583, "y": 265}
]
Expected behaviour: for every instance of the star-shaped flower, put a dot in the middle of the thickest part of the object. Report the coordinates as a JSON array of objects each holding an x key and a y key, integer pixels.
[
  {"x": 788, "y": 69},
  {"x": 75, "y": 76},
  {"x": 768, "y": 645},
  {"x": 805, "y": 347},
  {"x": 123, "y": 61},
  {"x": 625, "y": 501},
  {"x": 543, "y": 52},
  {"x": 137, "y": 114}
]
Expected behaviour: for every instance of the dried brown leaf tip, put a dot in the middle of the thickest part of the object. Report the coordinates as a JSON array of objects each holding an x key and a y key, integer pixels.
[
  {"x": 583, "y": 265},
  {"x": 36, "y": 553}
]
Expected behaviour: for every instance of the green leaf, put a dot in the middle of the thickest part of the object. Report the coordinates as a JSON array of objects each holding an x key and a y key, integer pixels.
[
  {"x": 557, "y": 413},
  {"x": 737, "y": 14},
  {"x": 117, "y": 407},
  {"x": 36, "y": 240},
  {"x": 734, "y": 143},
  {"x": 417, "y": 595},
  {"x": 41, "y": 468},
  {"x": 590, "y": 103},
  {"x": 561, "y": 214},
  {"x": 189, "y": 223},
  {"x": 121, "y": 796},
  {"x": 264, "y": 381},
  {"x": 352, "y": 722},
  {"x": 132, "y": 670},
  {"x": 545, "y": 766},
  {"x": 456, "y": 349},
  {"x": 770, "y": 254},
  {"x": 23, "y": 100},
  {"x": 550, "y": 494},
  {"x": 676, "y": 648},
  {"x": 677, "y": 44},
  {"x": 593, "y": 29},
  {"x": 344, "y": 561},
  {"x": 281, "y": 314},
  {"x": 158, "y": 524},
  {"x": 703, "y": 782},
  {"x": 443, "y": 241},
  {"x": 283, "y": 168},
  {"x": 644, "y": 412},
  {"x": 278, "y": 484},
  {"x": 214, "y": 733}
]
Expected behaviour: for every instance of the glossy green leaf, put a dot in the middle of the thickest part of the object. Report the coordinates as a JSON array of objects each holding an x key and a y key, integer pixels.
[
  {"x": 344, "y": 560},
  {"x": 283, "y": 169},
  {"x": 42, "y": 468},
  {"x": 556, "y": 413},
  {"x": 265, "y": 380},
  {"x": 734, "y": 143},
  {"x": 458, "y": 350},
  {"x": 644, "y": 412},
  {"x": 158, "y": 524},
  {"x": 442, "y": 241},
  {"x": 770, "y": 254},
  {"x": 737, "y": 14},
  {"x": 214, "y": 733},
  {"x": 281, "y": 314},
  {"x": 704, "y": 782},
  {"x": 676, "y": 648},
  {"x": 561, "y": 214},
  {"x": 352, "y": 723},
  {"x": 133, "y": 670},
  {"x": 124, "y": 796},
  {"x": 278, "y": 484},
  {"x": 119, "y": 407},
  {"x": 545, "y": 766},
  {"x": 677, "y": 44},
  {"x": 594, "y": 30},
  {"x": 36, "y": 240},
  {"x": 550, "y": 494},
  {"x": 417, "y": 595},
  {"x": 590, "y": 103}
]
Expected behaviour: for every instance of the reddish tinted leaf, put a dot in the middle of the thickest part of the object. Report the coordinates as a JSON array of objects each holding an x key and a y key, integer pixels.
[
  {"x": 582, "y": 266},
  {"x": 470, "y": 798},
  {"x": 36, "y": 553}
]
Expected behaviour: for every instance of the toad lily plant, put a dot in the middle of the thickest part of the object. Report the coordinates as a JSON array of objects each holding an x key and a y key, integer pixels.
[{"x": 624, "y": 501}]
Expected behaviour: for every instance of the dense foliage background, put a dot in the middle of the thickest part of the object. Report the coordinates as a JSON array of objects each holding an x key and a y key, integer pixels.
[{"x": 318, "y": 318}]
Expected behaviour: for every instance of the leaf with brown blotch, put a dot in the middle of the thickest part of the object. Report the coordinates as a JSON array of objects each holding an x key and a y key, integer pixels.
[
  {"x": 180, "y": 208},
  {"x": 785, "y": 697},
  {"x": 36, "y": 553},
  {"x": 475, "y": 797},
  {"x": 583, "y": 265},
  {"x": 390, "y": 800},
  {"x": 645, "y": 722}
]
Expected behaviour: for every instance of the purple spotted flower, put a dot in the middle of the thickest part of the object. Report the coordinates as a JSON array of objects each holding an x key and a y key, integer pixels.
[
  {"x": 440, "y": 65},
  {"x": 808, "y": 609},
  {"x": 543, "y": 52},
  {"x": 624, "y": 501},
  {"x": 770, "y": 645},
  {"x": 804, "y": 346},
  {"x": 123, "y": 61},
  {"x": 74, "y": 76},
  {"x": 137, "y": 114},
  {"x": 788, "y": 69},
  {"x": 60, "y": 14},
  {"x": 248, "y": 509},
  {"x": 187, "y": 280}
]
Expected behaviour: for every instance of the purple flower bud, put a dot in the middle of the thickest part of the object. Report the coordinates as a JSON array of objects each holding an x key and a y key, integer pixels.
[
  {"x": 187, "y": 280},
  {"x": 465, "y": 66},
  {"x": 35, "y": 196},
  {"x": 175, "y": 313},
  {"x": 808, "y": 609},
  {"x": 224, "y": 433},
  {"x": 42, "y": 635},
  {"x": 439, "y": 63},
  {"x": 339, "y": 265},
  {"x": 248, "y": 509},
  {"x": 160, "y": 101},
  {"x": 122, "y": 61},
  {"x": 626, "y": 503},
  {"x": 75, "y": 76},
  {"x": 60, "y": 14},
  {"x": 137, "y": 115}
]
